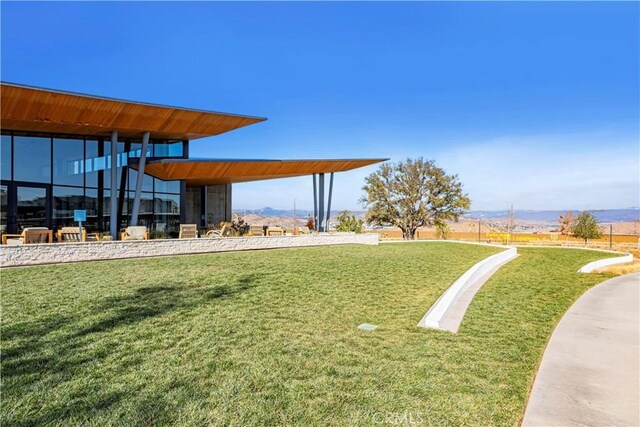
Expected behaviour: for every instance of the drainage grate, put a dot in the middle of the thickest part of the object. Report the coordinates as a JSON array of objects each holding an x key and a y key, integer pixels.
[{"x": 367, "y": 327}]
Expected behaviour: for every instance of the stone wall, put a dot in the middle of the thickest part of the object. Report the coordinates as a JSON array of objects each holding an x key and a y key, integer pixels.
[{"x": 21, "y": 255}]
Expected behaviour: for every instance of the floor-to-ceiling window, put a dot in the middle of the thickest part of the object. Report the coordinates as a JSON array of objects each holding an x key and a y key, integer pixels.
[
  {"x": 32, "y": 159},
  {"x": 46, "y": 177}
]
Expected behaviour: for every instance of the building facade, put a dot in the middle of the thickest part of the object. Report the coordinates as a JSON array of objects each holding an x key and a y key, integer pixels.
[
  {"x": 125, "y": 163},
  {"x": 45, "y": 177}
]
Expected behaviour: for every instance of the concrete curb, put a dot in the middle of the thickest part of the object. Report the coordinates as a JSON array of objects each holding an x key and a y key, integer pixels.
[
  {"x": 449, "y": 310},
  {"x": 605, "y": 262}
]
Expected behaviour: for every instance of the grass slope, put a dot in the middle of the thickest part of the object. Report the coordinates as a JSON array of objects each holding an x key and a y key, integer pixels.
[{"x": 265, "y": 338}]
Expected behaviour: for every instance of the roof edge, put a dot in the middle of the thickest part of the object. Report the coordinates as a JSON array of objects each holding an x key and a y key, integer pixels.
[{"x": 128, "y": 101}]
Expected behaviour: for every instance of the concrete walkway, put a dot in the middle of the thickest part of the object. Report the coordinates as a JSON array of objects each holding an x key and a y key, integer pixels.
[{"x": 589, "y": 375}]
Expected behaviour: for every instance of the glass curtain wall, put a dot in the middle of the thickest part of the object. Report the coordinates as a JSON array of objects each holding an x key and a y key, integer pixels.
[{"x": 76, "y": 173}]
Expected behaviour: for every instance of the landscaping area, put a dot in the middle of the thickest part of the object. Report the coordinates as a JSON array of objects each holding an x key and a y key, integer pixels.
[{"x": 271, "y": 337}]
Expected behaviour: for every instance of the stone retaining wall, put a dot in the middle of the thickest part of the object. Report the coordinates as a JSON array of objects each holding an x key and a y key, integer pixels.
[{"x": 34, "y": 254}]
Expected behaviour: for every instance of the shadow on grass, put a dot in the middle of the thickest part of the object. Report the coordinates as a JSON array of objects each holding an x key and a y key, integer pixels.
[{"x": 56, "y": 349}]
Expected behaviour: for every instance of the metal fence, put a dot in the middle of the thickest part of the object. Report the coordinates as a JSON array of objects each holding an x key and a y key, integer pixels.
[{"x": 556, "y": 239}]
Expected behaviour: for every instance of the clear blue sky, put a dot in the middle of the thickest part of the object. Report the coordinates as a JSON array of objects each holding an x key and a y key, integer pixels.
[{"x": 535, "y": 104}]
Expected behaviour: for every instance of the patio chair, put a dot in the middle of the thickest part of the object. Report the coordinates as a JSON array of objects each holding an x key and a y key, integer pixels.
[
  {"x": 28, "y": 236},
  {"x": 135, "y": 232},
  {"x": 223, "y": 232},
  {"x": 188, "y": 231},
  {"x": 71, "y": 234},
  {"x": 275, "y": 231},
  {"x": 256, "y": 230},
  {"x": 303, "y": 230}
]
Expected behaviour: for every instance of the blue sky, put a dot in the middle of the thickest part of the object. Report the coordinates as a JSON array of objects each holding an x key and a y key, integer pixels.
[{"x": 535, "y": 104}]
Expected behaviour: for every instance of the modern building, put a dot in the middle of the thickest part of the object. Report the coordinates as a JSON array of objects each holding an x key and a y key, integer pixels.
[{"x": 126, "y": 163}]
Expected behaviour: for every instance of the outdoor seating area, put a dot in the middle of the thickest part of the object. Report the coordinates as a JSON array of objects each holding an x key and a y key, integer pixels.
[{"x": 31, "y": 235}]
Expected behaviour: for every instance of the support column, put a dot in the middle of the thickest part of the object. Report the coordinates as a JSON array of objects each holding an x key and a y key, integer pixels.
[
  {"x": 124, "y": 172},
  {"x": 315, "y": 204},
  {"x": 329, "y": 201},
  {"x": 321, "y": 202},
  {"x": 141, "y": 163},
  {"x": 113, "y": 208}
]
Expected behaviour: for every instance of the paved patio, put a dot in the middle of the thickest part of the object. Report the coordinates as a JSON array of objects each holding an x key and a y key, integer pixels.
[{"x": 590, "y": 373}]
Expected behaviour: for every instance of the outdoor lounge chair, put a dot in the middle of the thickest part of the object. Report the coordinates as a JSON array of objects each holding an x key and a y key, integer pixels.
[
  {"x": 223, "y": 232},
  {"x": 135, "y": 232},
  {"x": 28, "y": 236},
  {"x": 188, "y": 231},
  {"x": 71, "y": 234},
  {"x": 256, "y": 230},
  {"x": 303, "y": 230},
  {"x": 275, "y": 231}
]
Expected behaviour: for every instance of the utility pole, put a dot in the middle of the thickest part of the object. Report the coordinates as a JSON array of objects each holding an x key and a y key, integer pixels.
[
  {"x": 510, "y": 224},
  {"x": 610, "y": 236}
]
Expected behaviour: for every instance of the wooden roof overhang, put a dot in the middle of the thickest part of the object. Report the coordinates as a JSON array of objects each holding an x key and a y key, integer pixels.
[
  {"x": 228, "y": 171},
  {"x": 26, "y": 108}
]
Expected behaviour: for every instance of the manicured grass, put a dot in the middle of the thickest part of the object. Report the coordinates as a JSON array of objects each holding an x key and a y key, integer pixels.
[{"x": 270, "y": 337}]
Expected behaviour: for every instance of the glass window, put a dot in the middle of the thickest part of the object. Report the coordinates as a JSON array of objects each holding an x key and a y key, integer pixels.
[
  {"x": 167, "y": 149},
  {"x": 167, "y": 186},
  {"x": 147, "y": 181},
  {"x": 167, "y": 213},
  {"x": 106, "y": 209},
  {"x": 65, "y": 201},
  {"x": 121, "y": 159},
  {"x": 145, "y": 214},
  {"x": 93, "y": 163},
  {"x": 68, "y": 161},
  {"x": 4, "y": 206},
  {"x": 91, "y": 205},
  {"x": 32, "y": 159},
  {"x": 5, "y": 154}
]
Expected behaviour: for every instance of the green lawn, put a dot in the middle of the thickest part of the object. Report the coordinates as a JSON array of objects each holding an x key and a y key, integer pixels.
[{"x": 270, "y": 337}]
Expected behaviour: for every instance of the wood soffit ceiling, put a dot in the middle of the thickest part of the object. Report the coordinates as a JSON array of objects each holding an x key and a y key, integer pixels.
[
  {"x": 25, "y": 108},
  {"x": 212, "y": 172}
]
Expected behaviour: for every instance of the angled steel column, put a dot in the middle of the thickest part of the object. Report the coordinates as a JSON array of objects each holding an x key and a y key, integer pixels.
[
  {"x": 124, "y": 172},
  {"x": 321, "y": 204},
  {"x": 113, "y": 208},
  {"x": 329, "y": 201},
  {"x": 315, "y": 204},
  {"x": 141, "y": 163}
]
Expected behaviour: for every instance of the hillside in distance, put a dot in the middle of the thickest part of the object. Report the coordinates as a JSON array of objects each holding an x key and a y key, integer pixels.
[
  {"x": 542, "y": 216},
  {"x": 624, "y": 221}
]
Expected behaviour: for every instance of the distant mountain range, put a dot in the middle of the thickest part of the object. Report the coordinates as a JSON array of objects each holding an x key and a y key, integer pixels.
[
  {"x": 551, "y": 216},
  {"x": 603, "y": 215}
]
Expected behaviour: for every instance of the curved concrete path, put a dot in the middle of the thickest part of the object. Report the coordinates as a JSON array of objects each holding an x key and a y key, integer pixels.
[{"x": 589, "y": 375}]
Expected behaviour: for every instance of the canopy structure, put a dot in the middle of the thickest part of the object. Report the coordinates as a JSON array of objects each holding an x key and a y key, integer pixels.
[
  {"x": 27, "y": 108},
  {"x": 196, "y": 172}
]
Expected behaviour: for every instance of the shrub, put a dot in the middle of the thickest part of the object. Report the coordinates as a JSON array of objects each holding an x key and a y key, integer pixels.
[{"x": 348, "y": 222}]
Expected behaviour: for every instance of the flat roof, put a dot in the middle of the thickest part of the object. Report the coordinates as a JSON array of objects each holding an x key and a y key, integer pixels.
[
  {"x": 228, "y": 171},
  {"x": 28, "y": 108}
]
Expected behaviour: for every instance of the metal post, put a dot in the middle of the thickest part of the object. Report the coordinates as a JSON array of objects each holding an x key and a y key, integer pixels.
[
  {"x": 610, "y": 236},
  {"x": 329, "y": 201},
  {"x": 141, "y": 164},
  {"x": 479, "y": 230},
  {"x": 113, "y": 211},
  {"x": 122, "y": 191},
  {"x": 321, "y": 202},
  {"x": 315, "y": 204}
]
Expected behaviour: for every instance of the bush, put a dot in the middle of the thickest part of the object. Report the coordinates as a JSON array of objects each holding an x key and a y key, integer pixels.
[{"x": 348, "y": 222}]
